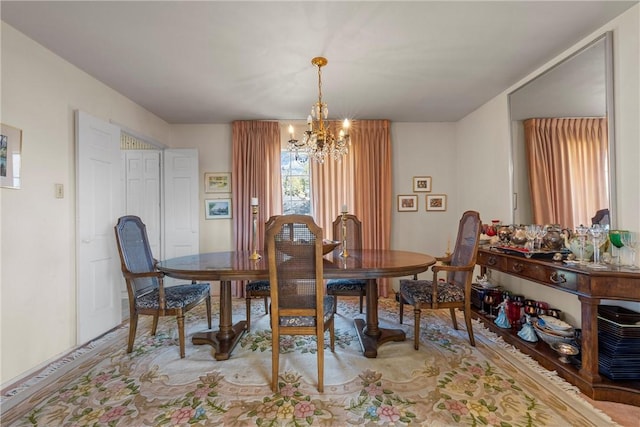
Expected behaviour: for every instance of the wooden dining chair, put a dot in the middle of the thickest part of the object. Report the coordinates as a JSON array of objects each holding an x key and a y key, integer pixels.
[
  {"x": 347, "y": 287},
  {"x": 455, "y": 290},
  {"x": 298, "y": 303},
  {"x": 145, "y": 286}
]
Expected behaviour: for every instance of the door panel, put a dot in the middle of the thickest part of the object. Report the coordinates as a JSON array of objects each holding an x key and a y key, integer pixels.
[
  {"x": 99, "y": 204},
  {"x": 181, "y": 203}
]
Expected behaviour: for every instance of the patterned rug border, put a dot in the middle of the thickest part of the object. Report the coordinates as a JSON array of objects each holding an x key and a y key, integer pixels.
[{"x": 46, "y": 378}]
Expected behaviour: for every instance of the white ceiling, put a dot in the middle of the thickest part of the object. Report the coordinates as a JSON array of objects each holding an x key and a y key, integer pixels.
[{"x": 215, "y": 62}]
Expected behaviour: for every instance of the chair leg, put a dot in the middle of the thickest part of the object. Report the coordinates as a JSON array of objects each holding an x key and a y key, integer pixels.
[
  {"x": 154, "y": 325},
  {"x": 361, "y": 300},
  {"x": 248, "y": 313},
  {"x": 416, "y": 328},
  {"x": 335, "y": 304},
  {"x": 401, "y": 302},
  {"x": 275, "y": 358},
  {"x": 180, "y": 319},
  {"x": 332, "y": 336},
  {"x": 133, "y": 326},
  {"x": 453, "y": 318},
  {"x": 208, "y": 304},
  {"x": 320, "y": 353},
  {"x": 266, "y": 305},
  {"x": 467, "y": 321}
]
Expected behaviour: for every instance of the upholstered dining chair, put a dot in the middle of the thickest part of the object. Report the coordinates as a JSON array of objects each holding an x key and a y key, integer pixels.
[
  {"x": 145, "y": 286},
  {"x": 454, "y": 291},
  {"x": 258, "y": 289},
  {"x": 298, "y": 303},
  {"x": 344, "y": 287}
]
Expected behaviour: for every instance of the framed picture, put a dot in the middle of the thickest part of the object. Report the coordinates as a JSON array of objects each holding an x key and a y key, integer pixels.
[
  {"x": 422, "y": 184},
  {"x": 407, "y": 203},
  {"x": 217, "y": 182},
  {"x": 217, "y": 208},
  {"x": 10, "y": 156},
  {"x": 437, "y": 202}
]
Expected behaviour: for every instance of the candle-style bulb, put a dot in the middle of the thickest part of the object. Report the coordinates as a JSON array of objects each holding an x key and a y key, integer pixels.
[{"x": 291, "y": 131}]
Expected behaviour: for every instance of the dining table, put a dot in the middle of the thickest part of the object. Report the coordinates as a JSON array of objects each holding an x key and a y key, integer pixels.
[{"x": 225, "y": 267}]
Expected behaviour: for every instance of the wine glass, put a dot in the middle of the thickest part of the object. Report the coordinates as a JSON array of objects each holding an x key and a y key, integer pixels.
[
  {"x": 615, "y": 237},
  {"x": 490, "y": 299},
  {"x": 531, "y": 234},
  {"x": 540, "y": 232},
  {"x": 597, "y": 233},
  {"x": 630, "y": 240},
  {"x": 581, "y": 232}
]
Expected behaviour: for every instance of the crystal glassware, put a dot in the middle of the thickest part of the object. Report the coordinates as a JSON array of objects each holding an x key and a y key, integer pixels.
[
  {"x": 581, "y": 233},
  {"x": 615, "y": 237},
  {"x": 490, "y": 300},
  {"x": 598, "y": 234},
  {"x": 630, "y": 240}
]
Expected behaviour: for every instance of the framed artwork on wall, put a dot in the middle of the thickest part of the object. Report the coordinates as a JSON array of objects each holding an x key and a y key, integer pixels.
[
  {"x": 421, "y": 184},
  {"x": 407, "y": 203},
  {"x": 10, "y": 156},
  {"x": 217, "y": 182},
  {"x": 217, "y": 209},
  {"x": 437, "y": 202}
]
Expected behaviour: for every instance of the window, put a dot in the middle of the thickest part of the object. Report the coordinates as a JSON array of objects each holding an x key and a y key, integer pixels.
[{"x": 296, "y": 183}]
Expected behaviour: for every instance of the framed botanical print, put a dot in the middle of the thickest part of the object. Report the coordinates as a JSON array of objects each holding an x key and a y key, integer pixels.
[
  {"x": 217, "y": 182},
  {"x": 421, "y": 184},
  {"x": 407, "y": 203},
  {"x": 437, "y": 202}
]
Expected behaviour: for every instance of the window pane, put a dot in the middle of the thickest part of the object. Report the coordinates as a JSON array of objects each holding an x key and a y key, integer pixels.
[{"x": 296, "y": 188}]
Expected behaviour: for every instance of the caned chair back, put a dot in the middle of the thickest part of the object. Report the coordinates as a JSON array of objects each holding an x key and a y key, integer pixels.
[
  {"x": 353, "y": 228},
  {"x": 135, "y": 255},
  {"x": 465, "y": 250}
]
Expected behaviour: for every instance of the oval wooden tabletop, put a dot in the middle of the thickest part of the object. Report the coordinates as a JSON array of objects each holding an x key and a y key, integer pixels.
[{"x": 232, "y": 265}]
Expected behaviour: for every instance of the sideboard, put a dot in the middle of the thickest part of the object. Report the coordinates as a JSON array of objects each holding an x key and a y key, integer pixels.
[{"x": 590, "y": 286}]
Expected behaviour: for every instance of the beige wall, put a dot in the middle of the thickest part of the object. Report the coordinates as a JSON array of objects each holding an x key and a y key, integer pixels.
[
  {"x": 467, "y": 160},
  {"x": 40, "y": 92}
]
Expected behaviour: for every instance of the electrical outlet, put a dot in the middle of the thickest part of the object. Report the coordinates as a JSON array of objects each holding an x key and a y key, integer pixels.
[{"x": 59, "y": 191}]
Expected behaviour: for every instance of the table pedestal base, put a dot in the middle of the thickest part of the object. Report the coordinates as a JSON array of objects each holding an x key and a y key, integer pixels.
[
  {"x": 370, "y": 343},
  {"x": 222, "y": 347}
]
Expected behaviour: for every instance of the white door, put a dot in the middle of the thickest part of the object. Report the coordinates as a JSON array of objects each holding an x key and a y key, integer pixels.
[
  {"x": 181, "y": 203},
  {"x": 142, "y": 191},
  {"x": 99, "y": 204}
]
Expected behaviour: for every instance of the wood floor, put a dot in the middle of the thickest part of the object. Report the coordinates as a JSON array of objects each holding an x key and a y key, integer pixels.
[{"x": 625, "y": 415}]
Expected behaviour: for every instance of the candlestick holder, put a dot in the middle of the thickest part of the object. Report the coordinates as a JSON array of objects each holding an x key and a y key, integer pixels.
[
  {"x": 254, "y": 212},
  {"x": 345, "y": 252}
]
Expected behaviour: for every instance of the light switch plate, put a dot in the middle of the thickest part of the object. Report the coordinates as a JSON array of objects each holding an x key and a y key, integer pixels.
[{"x": 59, "y": 191}]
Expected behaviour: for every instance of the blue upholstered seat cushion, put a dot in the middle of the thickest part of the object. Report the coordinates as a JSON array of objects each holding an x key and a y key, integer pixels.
[
  {"x": 342, "y": 285},
  {"x": 258, "y": 286},
  {"x": 414, "y": 291},
  {"x": 309, "y": 320},
  {"x": 175, "y": 296}
]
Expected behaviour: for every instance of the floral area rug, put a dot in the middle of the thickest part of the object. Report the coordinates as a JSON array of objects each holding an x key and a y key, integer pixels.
[{"x": 447, "y": 382}]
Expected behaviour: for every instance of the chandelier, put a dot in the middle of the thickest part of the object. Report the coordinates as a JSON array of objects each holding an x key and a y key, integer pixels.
[{"x": 318, "y": 141}]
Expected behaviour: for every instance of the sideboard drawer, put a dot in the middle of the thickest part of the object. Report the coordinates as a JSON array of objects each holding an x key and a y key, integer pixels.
[
  {"x": 547, "y": 275},
  {"x": 491, "y": 261}
]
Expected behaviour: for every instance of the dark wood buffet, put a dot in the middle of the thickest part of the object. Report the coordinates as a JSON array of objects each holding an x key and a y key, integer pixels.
[{"x": 591, "y": 286}]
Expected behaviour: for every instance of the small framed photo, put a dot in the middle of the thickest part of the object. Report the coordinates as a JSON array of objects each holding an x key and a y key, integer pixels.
[
  {"x": 407, "y": 203},
  {"x": 217, "y": 209},
  {"x": 217, "y": 182},
  {"x": 422, "y": 184},
  {"x": 437, "y": 202}
]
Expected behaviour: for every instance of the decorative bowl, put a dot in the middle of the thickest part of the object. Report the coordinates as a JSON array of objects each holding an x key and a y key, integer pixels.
[
  {"x": 565, "y": 350},
  {"x": 291, "y": 248},
  {"x": 329, "y": 245},
  {"x": 549, "y": 337}
]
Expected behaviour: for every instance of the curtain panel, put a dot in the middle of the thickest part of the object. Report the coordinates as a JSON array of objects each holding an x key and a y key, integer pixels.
[
  {"x": 563, "y": 153},
  {"x": 255, "y": 173},
  {"x": 362, "y": 181}
]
